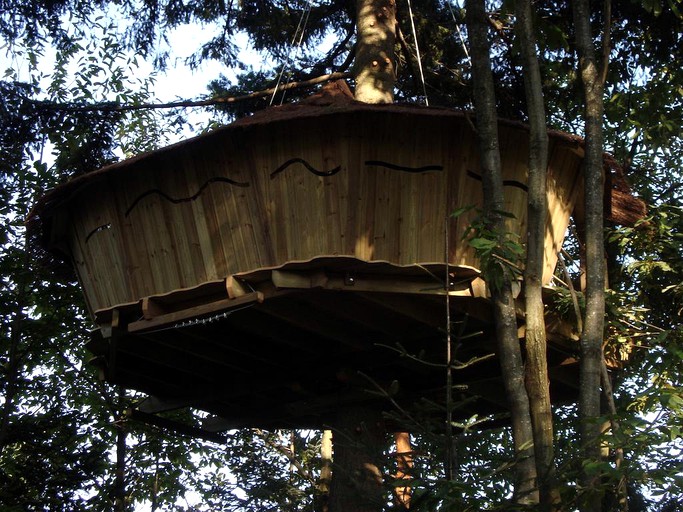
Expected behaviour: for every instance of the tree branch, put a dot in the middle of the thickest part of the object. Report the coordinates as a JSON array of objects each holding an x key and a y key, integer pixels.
[
  {"x": 117, "y": 107},
  {"x": 288, "y": 454},
  {"x": 606, "y": 44}
]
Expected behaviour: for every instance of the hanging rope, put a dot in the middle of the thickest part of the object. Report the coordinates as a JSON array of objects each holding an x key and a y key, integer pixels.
[
  {"x": 296, "y": 43},
  {"x": 457, "y": 27},
  {"x": 417, "y": 51}
]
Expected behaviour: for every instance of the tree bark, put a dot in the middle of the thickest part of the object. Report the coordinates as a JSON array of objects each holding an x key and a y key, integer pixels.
[
  {"x": 120, "y": 473},
  {"x": 359, "y": 441},
  {"x": 537, "y": 381},
  {"x": 509, "y": 351},
  {"x": 323, "y": 495},
  {"x": 593, "y": 325},
  {"x": 374, "y": 66},
  {"x": 404, "y": 456},
  {"x": 14, "y": 365}
]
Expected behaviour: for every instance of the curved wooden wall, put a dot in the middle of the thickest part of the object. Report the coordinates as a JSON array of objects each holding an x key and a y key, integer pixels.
[{"x": 376, "y": 184}]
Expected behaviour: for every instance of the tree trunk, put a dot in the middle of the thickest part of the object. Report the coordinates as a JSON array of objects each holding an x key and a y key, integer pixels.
[
  {"x": 509, "y": 351},
  {"x": 359, "y": 434},
  {"x": 537, "y": 381},
  {"x": 323, "y": 495},
  {"x": 13, "y": 368},
  {"x": 120, "y": 474},
  {"x": 404, "y": 456},
  {"x": 593, "y": 326},
  {"x": 359, "y": 442},
  {"x": 374, "y": 66}
]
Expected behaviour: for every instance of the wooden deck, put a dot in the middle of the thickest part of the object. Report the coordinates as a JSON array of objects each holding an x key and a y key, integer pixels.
[{"x": 282, "y": 356}]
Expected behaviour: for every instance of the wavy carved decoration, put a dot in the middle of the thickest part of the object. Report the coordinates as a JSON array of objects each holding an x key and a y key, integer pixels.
[
  {"x": 506, "y": 183},
  {"x": 403, "y": 168},
  {"x": 309, "y": 167},
  {"x": 97, "y": 230},
  {"x": 184, "y": 199}
]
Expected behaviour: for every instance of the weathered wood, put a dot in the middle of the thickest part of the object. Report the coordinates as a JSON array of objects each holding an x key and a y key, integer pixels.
[
  {"x": 224, "y": 305},
  {"x": 369, "y": 182}
]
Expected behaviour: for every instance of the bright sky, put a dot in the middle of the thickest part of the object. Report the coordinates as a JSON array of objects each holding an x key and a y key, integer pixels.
[{"x": 180, "y": 81}]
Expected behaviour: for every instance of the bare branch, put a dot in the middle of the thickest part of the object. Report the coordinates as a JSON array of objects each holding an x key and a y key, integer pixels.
[{"x": 117, "y": 107}]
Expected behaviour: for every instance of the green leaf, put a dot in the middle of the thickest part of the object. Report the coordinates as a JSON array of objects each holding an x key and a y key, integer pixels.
[{"x": 482, "y": 244}]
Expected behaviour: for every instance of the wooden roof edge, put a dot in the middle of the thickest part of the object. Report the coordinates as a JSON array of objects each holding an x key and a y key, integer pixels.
[{"x": 623, "y": 207}]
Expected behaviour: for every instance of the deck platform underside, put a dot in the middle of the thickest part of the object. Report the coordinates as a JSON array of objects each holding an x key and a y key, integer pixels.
[{"x": 287, "y": 357}]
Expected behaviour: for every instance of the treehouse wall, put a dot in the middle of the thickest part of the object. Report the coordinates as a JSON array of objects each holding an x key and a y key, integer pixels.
[{"x": 374, "y": 183}]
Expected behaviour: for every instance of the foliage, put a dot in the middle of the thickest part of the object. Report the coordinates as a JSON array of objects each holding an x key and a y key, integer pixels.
[
  {"x": 57, "y": 420},
  {"x": 499, "y": 254}
]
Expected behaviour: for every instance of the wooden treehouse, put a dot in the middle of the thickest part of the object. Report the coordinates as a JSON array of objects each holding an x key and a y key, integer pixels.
[{"x": 274, "y": 271}]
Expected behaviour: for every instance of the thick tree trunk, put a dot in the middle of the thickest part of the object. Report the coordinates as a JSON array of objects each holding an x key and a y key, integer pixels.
[
  {"x": 509, "y": 351},
  {"x": 374, "y": 66},
  {"x": 537, "y": 381},
  {"x": 359, "y": 442},
  {"x": 359, "y": 434},
  {"x": 593, "y": 326}
]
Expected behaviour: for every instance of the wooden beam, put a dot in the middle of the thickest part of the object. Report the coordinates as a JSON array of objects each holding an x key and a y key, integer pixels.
[
  {"x": 327, "y": 328},
  {"x": 235, "y": 287},
  {"x": 175, "y": 426},
  {"x": 195, "y": 312},
  {"x": 154, "y": 405},
  {"x": 151, "y": 308},
  {"x": 299, "y": 279},
  {"x": 421, "y": 311}
]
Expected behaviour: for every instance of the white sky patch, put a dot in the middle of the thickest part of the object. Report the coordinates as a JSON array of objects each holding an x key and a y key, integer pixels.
[{"x": 180, "y": 81}]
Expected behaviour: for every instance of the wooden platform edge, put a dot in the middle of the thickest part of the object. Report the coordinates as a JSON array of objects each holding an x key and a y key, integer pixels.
[{"x": 195, "y": 312}]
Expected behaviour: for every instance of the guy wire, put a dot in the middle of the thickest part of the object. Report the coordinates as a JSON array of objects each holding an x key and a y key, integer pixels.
[
  {"x": 417, "y": 51},
  {"x": 298, "y": 34}
]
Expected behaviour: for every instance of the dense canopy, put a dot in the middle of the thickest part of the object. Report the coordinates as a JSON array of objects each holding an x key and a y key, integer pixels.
[{"x": 78, "y": 94}]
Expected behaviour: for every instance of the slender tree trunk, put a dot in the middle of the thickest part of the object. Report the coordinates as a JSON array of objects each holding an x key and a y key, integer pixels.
[
  {"x": 593, "y": 326},
  {"x": 509, "y": 351},
  {"x": 359, "y": 442},
  {"x": 374, "y": 66},
  {"x": 537, "y": 381},
  {"x": 13, "y": 369},
  {"x": 120, "y": 474},
  {"x": 622, "y": 487}
]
